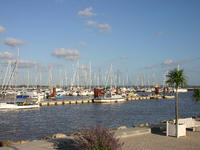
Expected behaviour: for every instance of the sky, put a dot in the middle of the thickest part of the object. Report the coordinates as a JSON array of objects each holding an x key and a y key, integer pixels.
[{"x": 138, "y": 37}]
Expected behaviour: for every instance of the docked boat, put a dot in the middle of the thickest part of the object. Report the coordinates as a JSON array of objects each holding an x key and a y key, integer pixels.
[
  {"x": 181, "y": 90},
  {"x": 109, "y": 98},
  {"x": 169, "y": 96},
  {"x": 22, "y": 95},
  {"x": 19, "y": 105}
]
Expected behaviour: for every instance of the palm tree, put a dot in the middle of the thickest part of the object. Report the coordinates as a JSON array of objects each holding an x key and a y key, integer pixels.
[
  {"x": 196, "y": 94},
  {"x": 177, "y": 79}
]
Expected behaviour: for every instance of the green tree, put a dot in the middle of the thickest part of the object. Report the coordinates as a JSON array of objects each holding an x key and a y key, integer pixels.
[
  {"x": 177, "y": 79},
  {"x": 196, "y": 94}
]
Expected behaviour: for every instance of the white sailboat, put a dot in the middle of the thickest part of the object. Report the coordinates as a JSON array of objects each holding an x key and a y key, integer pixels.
[{"x": 18, "y": 105}]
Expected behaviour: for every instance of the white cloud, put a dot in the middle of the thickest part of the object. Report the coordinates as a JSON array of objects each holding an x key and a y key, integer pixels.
[
  {"x": 86, "y": 12},
  {"x": 172, "y": 63},
  {"x": 2, "y": 29},
  {"x": 27, "y": 64},
  {"x": 91, "y": 23},
  {"x": 14, "y": 43},
  {"x": 66, "y": 53},
  {"x": 168, "y": 62},
  {"x": 104, "y": 28},
  {"x": 179, "y": 62},
  {"x": 21, "y": 63},
  {"x": 7, "y": 55}
]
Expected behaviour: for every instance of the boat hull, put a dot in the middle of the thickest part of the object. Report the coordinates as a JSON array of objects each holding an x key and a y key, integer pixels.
[
  {"x": 22, "y": 96},
  {"x": 169, "y": 97},
  {"x": 15, "y": 106},
  {"x": 107, "y": 100}
]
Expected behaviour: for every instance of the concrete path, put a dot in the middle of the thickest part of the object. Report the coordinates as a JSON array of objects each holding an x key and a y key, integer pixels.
[
  {"x": 162, "y": 142},
  {"x": 35, "y": 145},
  {"x": 140, "y": 142},
  {"x": 53, "y": 144},
  {"x": 129, "y": 132}
]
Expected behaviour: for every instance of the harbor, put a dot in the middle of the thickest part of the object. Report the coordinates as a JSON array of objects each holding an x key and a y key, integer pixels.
[
  {"x": 82, "y": 75},
  {"x": 31, "y": 124}
]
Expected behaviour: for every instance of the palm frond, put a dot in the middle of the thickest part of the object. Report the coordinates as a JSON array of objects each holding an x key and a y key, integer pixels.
[{"x": 176, "y": 78}]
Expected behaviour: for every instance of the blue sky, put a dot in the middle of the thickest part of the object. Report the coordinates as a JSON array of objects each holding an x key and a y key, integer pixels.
[{"x": 135, "y": 36}]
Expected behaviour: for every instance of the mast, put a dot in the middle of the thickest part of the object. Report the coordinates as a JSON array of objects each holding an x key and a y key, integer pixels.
[
  {"x": 66, "y": 79},
  {"x": 50, "y": 77},
  {"x": 17, "y": 62},
  {"x": 28, "y": 80},
  {"x": 111, "y": 76},
  {"x": 4, "y": 80},
  {"x": 90, "y": 76}
]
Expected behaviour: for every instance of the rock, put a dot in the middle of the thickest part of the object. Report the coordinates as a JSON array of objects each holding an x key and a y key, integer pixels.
[
  {"x": 164, "y": 121},
  {"x": 59, "y": 136},
  {"x": 22, "y": 142},
  {"x": 121, "y": 127},
  {"x": 6, "y": 143},
  {"x": 75, "y": 134},
  {"x": 142, "y": 125},
  {"x": 134, "y": 125},
  {"x": 46, "y": 138}
]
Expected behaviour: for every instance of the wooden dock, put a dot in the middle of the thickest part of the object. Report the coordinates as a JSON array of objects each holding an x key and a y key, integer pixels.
[{"x": 65, "y": 102}]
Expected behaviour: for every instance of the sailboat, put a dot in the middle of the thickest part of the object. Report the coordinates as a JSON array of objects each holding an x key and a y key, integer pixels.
[{"x": 18, "y": 105}]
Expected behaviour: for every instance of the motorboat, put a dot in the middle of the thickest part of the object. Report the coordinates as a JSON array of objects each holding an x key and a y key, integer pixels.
[
  {"x": 109, "y": 98},
  {"x": 18, "y": 105}
]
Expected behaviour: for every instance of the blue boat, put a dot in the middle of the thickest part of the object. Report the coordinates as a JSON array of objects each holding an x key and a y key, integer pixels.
[{"x": 22, "y": 96}]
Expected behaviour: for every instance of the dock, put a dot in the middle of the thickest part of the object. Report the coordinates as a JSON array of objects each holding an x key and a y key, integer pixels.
[
  {"x": 64, "y": 102},
  {"x": 83, "y": 101}
]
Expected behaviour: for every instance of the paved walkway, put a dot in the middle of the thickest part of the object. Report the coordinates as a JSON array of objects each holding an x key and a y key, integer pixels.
[
  {"x": 35, "y": 145},
  {"x": 143, "y": 141},
  {"x": 50, "y": 145},
  {"x": 161, "y": 142}
]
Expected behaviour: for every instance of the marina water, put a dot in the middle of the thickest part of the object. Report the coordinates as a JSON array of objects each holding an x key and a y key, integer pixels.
[{"x": 36, "y": 123}]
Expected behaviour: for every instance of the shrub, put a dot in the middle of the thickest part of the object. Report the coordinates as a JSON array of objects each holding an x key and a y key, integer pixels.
[
  {"x": 97, "y": 138},
  {"x": 196, "y": 94}
]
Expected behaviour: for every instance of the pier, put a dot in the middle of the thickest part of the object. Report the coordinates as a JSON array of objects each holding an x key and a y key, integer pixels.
[{"x": 65, "y": 102}]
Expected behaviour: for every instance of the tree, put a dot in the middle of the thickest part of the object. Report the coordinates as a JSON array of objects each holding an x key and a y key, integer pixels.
[
  {"x": 196, "y": 94},
  {"x": 177, "y": 79}
]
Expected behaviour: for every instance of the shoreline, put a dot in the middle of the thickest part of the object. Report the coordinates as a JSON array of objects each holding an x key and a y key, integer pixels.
[
  {"x": 157, "y": 128},
  {"x": 149, "y": 141}
]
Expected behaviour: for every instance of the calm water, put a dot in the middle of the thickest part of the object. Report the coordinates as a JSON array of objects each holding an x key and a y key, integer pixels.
[{"x": 45, "y": 121}]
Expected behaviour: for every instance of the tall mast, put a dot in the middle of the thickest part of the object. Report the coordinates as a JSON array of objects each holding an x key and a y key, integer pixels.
[
  {"x": 28, "y": 80},
  {"x": 90, "y": 76},
  {"x": 17, "y": 61},
  {"x": 111, "y": 76},
  {"x": 50, "y": 77}
]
